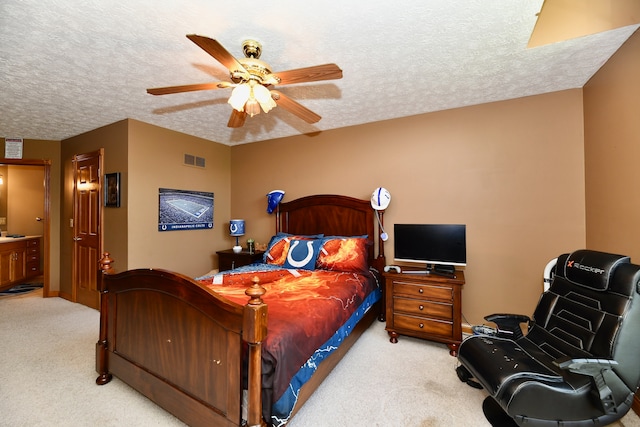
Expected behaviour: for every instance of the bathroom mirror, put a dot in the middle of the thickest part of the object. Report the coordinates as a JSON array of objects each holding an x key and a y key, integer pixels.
[{"x": 21, "y": 199}]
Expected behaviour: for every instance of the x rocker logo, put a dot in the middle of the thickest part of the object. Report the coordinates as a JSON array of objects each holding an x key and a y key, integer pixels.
[{"x": 588, "y": 268}]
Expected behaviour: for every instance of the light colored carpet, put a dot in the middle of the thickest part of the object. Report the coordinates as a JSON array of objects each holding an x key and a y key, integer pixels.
[{"x": 47, "y": 378}]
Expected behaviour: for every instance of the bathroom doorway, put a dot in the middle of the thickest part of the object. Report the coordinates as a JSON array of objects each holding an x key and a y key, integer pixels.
[{"x": 26, "y": 209}]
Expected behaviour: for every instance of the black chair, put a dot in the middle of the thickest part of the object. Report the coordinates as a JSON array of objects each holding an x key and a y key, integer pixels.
[{"x": 578, "y": 361}]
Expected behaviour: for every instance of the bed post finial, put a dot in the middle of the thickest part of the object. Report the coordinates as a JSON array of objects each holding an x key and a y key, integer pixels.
[
  {"x": 255, "y": 292},
  {"x": 105, "y": 263}
]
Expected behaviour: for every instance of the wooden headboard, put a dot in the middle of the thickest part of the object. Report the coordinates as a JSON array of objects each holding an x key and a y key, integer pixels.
[{"x": 332, "y": 215}]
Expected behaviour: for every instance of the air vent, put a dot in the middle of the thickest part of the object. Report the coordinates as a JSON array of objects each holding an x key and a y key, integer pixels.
[{"x": 191, "y": 160}]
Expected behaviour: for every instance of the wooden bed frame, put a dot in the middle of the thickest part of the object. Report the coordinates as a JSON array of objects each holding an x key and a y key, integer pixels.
[{"x": 181, "y": 345}]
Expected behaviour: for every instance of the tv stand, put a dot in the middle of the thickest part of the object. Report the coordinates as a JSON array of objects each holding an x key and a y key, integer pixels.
[{"x": 427, "y": 306}]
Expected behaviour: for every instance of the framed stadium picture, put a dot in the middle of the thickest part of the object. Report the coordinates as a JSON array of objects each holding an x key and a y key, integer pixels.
[
  {"x": 112, "y": 190},
  {"x": 184, "y": 210}
]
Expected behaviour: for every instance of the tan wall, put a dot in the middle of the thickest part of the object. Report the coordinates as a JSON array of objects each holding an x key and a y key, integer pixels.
[
  {"x": 148, "y": 158},
  {"x": 113, "y": 139},
  {"x": 512, "y": 171},
  {"x": 35, "y": 149},
  {"x": 156, "y": 158},
  {"x": 612, "y": 150}
]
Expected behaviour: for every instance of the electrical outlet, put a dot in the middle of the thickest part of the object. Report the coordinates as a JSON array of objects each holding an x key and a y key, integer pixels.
[{"x": 3, "y": 220}]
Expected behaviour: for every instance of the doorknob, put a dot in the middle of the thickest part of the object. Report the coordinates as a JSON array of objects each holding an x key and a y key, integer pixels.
[
  {"x": 38, "y": 218},
  {"x": 77, "y": 239}
]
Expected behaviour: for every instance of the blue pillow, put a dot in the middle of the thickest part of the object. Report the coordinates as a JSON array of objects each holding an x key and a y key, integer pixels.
[
  {"x": 303, "y": 254},
  {"x": 270, "y": 258}
]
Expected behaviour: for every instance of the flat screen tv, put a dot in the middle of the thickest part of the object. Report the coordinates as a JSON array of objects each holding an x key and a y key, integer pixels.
[{"x": 439, "y": 246}]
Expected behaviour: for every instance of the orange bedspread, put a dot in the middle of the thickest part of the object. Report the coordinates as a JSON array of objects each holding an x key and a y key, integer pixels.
[{"x": 305, "y": 308}]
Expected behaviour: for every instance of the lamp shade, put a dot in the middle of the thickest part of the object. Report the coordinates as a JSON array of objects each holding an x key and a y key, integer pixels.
[
  {"x": 239, "y": 96},
  {"x": 236, "y": 227},
  {"x": 263, "y": 96},
  {"x": 273, "y": 199}
]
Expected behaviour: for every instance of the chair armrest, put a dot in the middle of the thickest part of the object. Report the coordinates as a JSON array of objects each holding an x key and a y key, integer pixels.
[
  {"x": 508, "y": 324},
  {"x": 585, "y": 366},
  {"x": 593, "y": 368}
]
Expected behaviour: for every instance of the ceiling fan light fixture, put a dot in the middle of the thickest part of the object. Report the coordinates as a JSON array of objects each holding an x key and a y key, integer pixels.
[
  {"x": 249, "y": 97},
  {"x": 263, "y": 96},
  {"x": 252, "y": 107},
  {"x": 239, "y": 96}
]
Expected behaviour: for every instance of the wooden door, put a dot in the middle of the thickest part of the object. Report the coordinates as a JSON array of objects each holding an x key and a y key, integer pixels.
[
  {"x": 87, "y": 214},
  {"x": 5, "y": 267},
  {"x": 13, "y": 262},
  {"x": 18, "y": 264}
]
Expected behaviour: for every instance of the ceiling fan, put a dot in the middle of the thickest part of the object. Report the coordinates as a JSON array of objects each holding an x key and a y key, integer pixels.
[{"x": 252, "y": 80}]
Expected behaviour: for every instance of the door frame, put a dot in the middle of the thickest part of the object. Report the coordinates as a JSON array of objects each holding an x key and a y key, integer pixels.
[{"x": 46, "y": 237}]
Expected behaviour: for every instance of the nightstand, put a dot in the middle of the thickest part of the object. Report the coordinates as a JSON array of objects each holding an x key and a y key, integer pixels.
[
  {"x": 228, "y": 260},
  {"x": 425, "y": 306}
]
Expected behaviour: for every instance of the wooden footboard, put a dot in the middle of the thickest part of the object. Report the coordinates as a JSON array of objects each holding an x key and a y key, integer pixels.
[{"x": 180, "y": 345}]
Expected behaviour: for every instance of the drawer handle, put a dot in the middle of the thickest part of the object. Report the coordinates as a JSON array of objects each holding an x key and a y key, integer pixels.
[
  {"x": 421, "y": 325},
  {"x": 421, "y": 290},
  {"x": 421, "y": 307}
]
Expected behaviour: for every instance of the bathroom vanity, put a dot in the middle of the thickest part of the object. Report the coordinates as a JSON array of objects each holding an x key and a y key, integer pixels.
[{"x": 19, "y": 260}]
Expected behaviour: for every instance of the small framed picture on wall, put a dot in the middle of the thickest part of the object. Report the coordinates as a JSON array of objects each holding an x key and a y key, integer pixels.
[{"x": 112, "y": 190}]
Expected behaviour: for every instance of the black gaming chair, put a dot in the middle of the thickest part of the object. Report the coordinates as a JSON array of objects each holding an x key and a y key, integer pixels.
[{"x": 578, "y": 363}]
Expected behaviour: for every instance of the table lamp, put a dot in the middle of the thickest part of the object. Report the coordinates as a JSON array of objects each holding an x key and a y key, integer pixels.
[{"x": 236, "y": 229}]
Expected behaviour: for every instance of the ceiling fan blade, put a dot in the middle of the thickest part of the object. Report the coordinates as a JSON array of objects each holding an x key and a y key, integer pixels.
[
  {"x": 294, "y": 107},
  {"x": 308, "y": 74},
  {"x": 215, "y": 49},
  {"x": 188, "y": 88},
  {"x": 236, "y": 120}
]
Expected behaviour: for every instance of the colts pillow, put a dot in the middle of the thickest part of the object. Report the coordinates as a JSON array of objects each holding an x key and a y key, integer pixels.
[
  {"x": 344, "y": 254},
  {"x": 278, "y": 247},
  {"x": 302, "y": 254}
]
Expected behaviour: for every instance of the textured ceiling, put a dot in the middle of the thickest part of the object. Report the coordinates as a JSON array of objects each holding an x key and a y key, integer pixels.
[{"x": 67, "y": 67}]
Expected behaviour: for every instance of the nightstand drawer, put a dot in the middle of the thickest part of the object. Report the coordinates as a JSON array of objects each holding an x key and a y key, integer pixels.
[
  {"x": 423, "y": 308},
  {"x": 422, "y": 290},
  {"x": 422, "y": 325}
]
